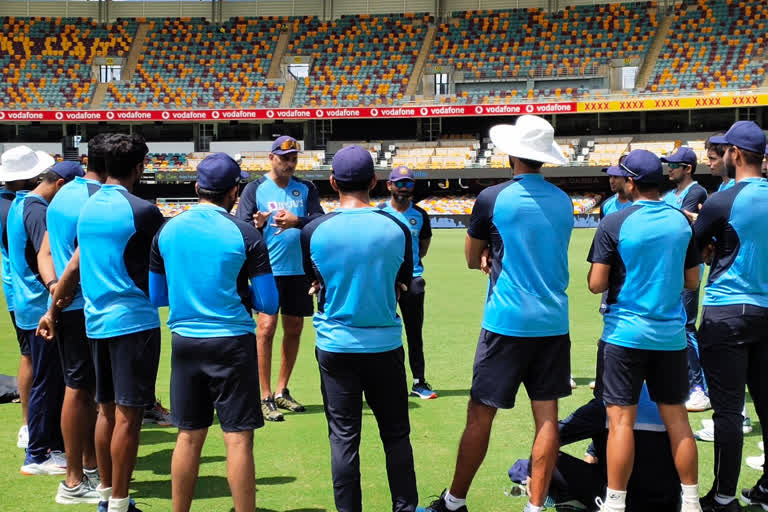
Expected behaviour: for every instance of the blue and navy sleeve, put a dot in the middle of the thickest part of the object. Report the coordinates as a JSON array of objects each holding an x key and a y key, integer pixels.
[
  {"x": 692, "y": 254},
  {"x": 149, "y": 220},
  {"x": 306, "y": 254},
  {"x": 713, "y": 217},
  {"x": 35, "y": 223},
  {"x": 405, "y": 274},
  {"x": 482, "y": 214},
  {"x": 696, "y": 196},
  {"x": 158, "y": 284},
  {"x": 313, "y": 207},
  {"x": 605, "y": 245},
  {"x": 156, "y": 262},
  {"x": 256, "y": 253},
  {"x": 247, "y": 206},
  {"x": 426, "y": 226}
]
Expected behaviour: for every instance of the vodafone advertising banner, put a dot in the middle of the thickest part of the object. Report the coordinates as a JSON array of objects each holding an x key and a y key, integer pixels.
[{"x": 66, "y": 116}]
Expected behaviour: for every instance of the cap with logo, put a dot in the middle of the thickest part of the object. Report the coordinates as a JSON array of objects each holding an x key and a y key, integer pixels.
[
  {"x": 68, "y": 170},
  {"x": 352, "y": 164},
  {"x": 641, "y": 165},
  {"x": 22, "y": 163},
  {"x": 683, "y": 155},
  {"x": 746, "y": 135},
  {"x": 285, "y": 145},
  {"x": 401, "y": 172},
  {"x": 219, "y": 171}
]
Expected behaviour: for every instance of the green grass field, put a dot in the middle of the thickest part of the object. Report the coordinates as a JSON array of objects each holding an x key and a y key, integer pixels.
[{"x": 292, "y": 458}]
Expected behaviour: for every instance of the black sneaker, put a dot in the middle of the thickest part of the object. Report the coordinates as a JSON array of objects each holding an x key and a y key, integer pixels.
[
  {"x": 709, "y": 504},
  {"x": 286, "y": 401},
  {"x": 755, "y": 496},
  {"x": 269, "y": 410},
  {"x": 439, "y": 505}
]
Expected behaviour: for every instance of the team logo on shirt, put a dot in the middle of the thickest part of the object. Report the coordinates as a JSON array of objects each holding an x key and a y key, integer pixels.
[
  {"x": 413, "y": 222},
  {"x": 296, "y": 193}
]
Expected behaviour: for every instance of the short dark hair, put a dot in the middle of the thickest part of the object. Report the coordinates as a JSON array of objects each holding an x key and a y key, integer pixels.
[
  {"x": 644, "y": 187},
  {"x": 214, "y": 196},
  {"x": 123, "y": 153},
  {"x": 720, "y": 149},
  {"x": 97, "y": 150},
  {"x": 49, "y": 177},
  {"x": 531, "y": 164},
  {"x": 693, "y": 168},
  {"x": 751, "y": 158},
  {"x": 353, "y": 186}
]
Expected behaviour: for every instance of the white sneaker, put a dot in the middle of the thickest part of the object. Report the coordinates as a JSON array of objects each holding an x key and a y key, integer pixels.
[
  {"x": 698, "y": 401},
  {"x": 55, "y": 464},
  {"x": 706, "y": 434},
  {"x": 83, "y": 493},
  {"x": 761, "y": 446},
  {"x": 746, "y": 428},
  {"x": 690, "y": 507},
  {"x": 93, "y": 477},
  {"x": 573, "y": 383},
  {"x": 592, "y": 385},
  {"x": 603, "y": 507},
  {"x": 22, "y": 440},
  {"x": 756, "y": 462}
]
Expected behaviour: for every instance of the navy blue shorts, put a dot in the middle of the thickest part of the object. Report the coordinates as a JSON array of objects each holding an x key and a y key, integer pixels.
[
  {"x": 75, "y": 352},
  {"x": 126, "y": 368},
  {"x": 621, "y": 372},
  {"x": 295, "y": 299},
  {"x": 215, "y": 373},
  {"x": 20, "y": 337},
  {"x": 542, "y": 364}
]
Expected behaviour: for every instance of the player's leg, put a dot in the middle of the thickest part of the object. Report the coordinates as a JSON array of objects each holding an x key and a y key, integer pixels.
[
  {"x": 185, "y": 466},
  {"x": 545, "y": 447},
  {"x": 105, "y": 421},
  {"x": 412, "y": 311},
  {"x": 296, "y": 304},
  {"x": 240, "y": 469},
  {"x": 24, "y": 379},
  {"x": 292, "y": 328}
]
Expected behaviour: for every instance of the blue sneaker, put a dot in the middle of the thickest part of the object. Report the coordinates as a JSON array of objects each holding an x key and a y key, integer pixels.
[
  {"x": 423, "y": 390},
  {"x": 104, "y": 506}
]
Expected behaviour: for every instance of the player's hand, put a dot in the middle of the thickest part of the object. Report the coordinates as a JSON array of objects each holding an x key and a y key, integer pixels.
[
  {"x": 708, "y": 253},
  {"x": 64, "y": 302},
  {"x": 691, "y": 216},
  {"x": 260, "y": 218},
  {"x": 400, "y": 288},
  {"x": 46, "y": 328},
  {"x": 314, "y": 288},
  {"x": 283, "y": 219},
  {"x": 486, "y": 261}
]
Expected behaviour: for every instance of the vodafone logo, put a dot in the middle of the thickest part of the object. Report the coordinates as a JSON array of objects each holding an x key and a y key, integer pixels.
[
  {"x": 374, "y": 112},
  {"x": 529, "y": 108},
  {"x": 319, "y": 113},
  {"x": 478, "y": 109},
  {"x": 110, "y": 115},
  {"x": 59, "y": 116},
  {"x": 270, "y": 114},
  {"x": 215, "y": 114},
  {"x": 423, "y": 111},
  {"x": 165, "y": 115},
  {"x": 2, "y": 115}
]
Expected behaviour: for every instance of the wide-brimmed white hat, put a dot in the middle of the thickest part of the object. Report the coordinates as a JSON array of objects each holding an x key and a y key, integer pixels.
[
  {"x": 23, "y": 163},
  {"x": 532, "y": 138}
]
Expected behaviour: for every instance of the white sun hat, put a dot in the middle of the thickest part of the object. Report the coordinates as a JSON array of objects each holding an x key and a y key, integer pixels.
[
  {"x": 22, "y": 163},
  {"x": 532, "y": 138}
]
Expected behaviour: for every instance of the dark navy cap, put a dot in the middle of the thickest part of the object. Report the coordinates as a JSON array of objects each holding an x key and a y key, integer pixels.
[
  {"x": 642, "y": 166},
  {"x": 614, "y": 170},
  {"x": 746, "y": 135},
  {"x": 68, "y": 170},
  {"x": 401, "y": 172},
  {"x": 683, "y": 155},
  {"x": 285, "y": 145},
  {"x": 352, "y": 164},
  {"x": 218, "y": 171}
]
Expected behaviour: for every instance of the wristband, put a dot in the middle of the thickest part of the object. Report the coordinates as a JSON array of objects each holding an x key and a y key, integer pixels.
[{"x": 51, "y": 283}]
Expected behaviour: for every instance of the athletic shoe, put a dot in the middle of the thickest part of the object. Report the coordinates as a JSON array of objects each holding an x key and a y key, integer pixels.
[
  {"x": 423, "y": 390},
  {"x": 439, "y": 505},
  {"x": 603, "y": 507},
  {"x": 592, "y": 385},
  {"x": 22, "y": 439},
  {"x": 269, "y": 410},
  {"x": 756, "y": 462},
  {"x": 93, "y": 477},
  {"x": 706, "y": 434},
  {"x": 709, "y": 504},
  {"x": 55, "y": 464},
  {"x": 755, "y": 496},
  {"x": 698, "y": 401},
  {"x": 690, "y": 507},
  {"x": 158, "y": 415},
  {"x": 573, "y": 383},
  {"x": 82, "y": 493},
  {"x": 104, "y": 506},
  {"x": 747, "y": 425},
  {"x": 286, "y": 401}
]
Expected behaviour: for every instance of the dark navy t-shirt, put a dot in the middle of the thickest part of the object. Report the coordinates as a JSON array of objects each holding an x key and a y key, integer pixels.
[{"x": 416, "y": 220}]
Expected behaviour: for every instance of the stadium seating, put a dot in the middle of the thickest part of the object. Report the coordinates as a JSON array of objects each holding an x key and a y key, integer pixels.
[
  {"x": 713, "y": 44},
  {"x": 358, "y": 60},
  {"x": 190, "y": 63},
  {"x": 46, "y": 62},
  {"x": 439, "y": 154},
  {"x": 165, "y": 162}
]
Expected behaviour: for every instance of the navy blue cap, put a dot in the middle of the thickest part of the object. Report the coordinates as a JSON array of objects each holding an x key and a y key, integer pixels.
[
  {"x": 746, "y": 135},
  {"x": 218, "y": 171},
  {"x": 614, "y": 170},
  {"x": 68, "y": 170},
  {"x": 285, "y": 145},
  {"x": 401, "y": 172},
  {"x": 352, "y": 164},
  {"x": 683, "y": 155},
  {"x": 642, "y": 166}
]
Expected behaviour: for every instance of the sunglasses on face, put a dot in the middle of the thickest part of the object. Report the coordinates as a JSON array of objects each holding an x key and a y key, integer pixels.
[
  {"x": 290, "y": 144},
  {"x": 405, "y": 184},
  {"x": 674, "y": 165}
]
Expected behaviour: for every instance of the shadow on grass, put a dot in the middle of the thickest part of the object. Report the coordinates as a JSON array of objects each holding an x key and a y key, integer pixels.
[
  {"x": 208, "y": 486},
  {"x": 157, "y": 436},
  {"x": 583, "y": 381},
  {"x": 275, "y": 480},
  {"x": 159, "y": 462},
  {"x": 451, "y": 392}
]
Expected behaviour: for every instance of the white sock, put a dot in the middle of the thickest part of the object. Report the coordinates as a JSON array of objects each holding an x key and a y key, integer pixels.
[
  {"x": 279, "y": 395},
  {"x": 105, "y": 493},
  {"x": 615, "y": 500},
  {"x": 690, "y": 493},
  {"x": 416, "y": 382},
  {"x": 724, "y": 500},
  {"x": 531, "y": 508},
  {"x": 119, "y": 504},
  {"x": 452, "y": 502}
]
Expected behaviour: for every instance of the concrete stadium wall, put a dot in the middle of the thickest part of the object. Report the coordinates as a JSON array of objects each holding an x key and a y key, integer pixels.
[{"x": 54, "y": 148}]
